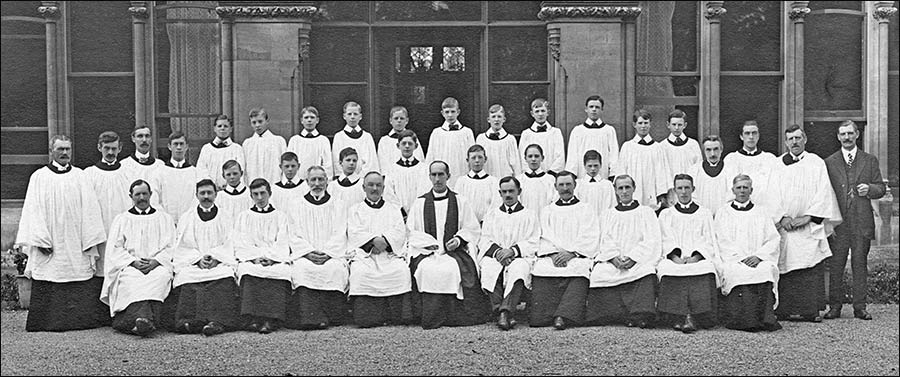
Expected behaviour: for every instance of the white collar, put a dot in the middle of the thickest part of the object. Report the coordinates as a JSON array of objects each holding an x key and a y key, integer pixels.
[
  {"x": 177, "y": 164},
  {"x": 140, "y": 155},
  {"x": 501, "y": 133},
  {"x": 295, "y": 181},
  {"x": 739, "y": 204},
  {"x": 567, "y": 201},
  {"x": 226, "y": 141},
  {"x": 108, "y": 163},
  {"x": 239, "y": 187},
  {"x": 798, "y": 157},
  {"x": 347, "y": 128},
  {"x": 314, "y": 132},
  {"x": 446, "y": 125},
  {"x": 538, "y": 171},
  {"x": 439, "y": 195},
  {"x": 206, "y": 210},
  {"x": 852, "y": 152},
  {"x": 480, "y": 174},
  {"x": 313, "y": 194},
  {"x": 60, "y": 167},
  {"x": 672, "y": 137},
  {"x": 254, "y": 134},
  {"x": 535, "y": 125},
  {"x": 749, "y": 151},
  {"x": 596, "y": 122},
  {"x": 684, "y": 206},
  {"x": 393, "y": 132},
  {"x": 410, "y": 159},
  {"x": 352, "y": 177},
  {"x": 647, "y": 138}
]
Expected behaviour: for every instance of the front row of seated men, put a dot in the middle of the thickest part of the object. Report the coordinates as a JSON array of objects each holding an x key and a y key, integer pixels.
[{"x": 296, "y": 266}]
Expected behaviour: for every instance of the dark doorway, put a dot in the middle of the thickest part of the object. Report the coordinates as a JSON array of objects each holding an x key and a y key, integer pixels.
[{"x": 419, "y": 67}]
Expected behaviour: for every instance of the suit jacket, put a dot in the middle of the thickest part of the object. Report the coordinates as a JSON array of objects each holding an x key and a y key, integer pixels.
[{"x": 856, "y": 210}]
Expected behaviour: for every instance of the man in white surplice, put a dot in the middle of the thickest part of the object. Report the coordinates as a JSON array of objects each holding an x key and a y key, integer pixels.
[
  {"x": 138, "y": 264},
  {"x": 442, "y": 225},
  {"x": 509, "y": 240},
  {"x": 569, "y": 235},
  {"x": 379, "y": 272}
]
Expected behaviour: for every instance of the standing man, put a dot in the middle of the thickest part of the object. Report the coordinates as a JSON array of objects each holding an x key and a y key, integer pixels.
[
  {"x": 175, "y": 181},
  {"x": 262, "y": 149},
  {"x": 712, "y": 176},
  {"x": 593, "y": 134},
  {"x": 645, "y": 160},
  {"x": 109, "y": 182},
  {"x": 141, "y": 164},
  {"x": 681, "y": 151},
  {"x": 354, "y": 137},
  {"x": 856, "y": 181},
  {"x": 809, "y": 212},
  {"x": 219, "y": 150},
  {"x": 754, "y": 162},
  {"x": 60, "y": 228}
]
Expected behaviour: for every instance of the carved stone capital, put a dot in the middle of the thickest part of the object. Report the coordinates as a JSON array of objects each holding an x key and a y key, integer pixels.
[
  {"x": 267, "y": 12},
  {"x": 798, "y": 13},
  {"x": 304, "y": 49},
  {"x": 884, "y": 14},
  {"x": 49, "y": 11},
  {"x": 714, "y": 13},
  {"x": 139, "y": 12},
  {"x": 550, "y": 13}
]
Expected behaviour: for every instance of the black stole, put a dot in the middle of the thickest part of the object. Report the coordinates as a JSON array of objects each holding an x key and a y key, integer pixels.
[{"x": 468, "y": 271}]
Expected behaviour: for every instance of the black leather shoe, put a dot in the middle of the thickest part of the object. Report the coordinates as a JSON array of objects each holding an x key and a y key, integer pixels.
[
  {"x": 265, "y": 328},
  {"x": 213, "y": 328},
  {"x": 812, "y": 318},
  {"x": 688, "y": 326},
  {"x": 862, "y": 314},
  {"x": 833, "y": 312},
  {"x": 143, "y": 327},
  {"x": 253, "y": 326},
  {"x": 503, "y": 321},
  {"x": 677, "y": 326},
  {"x": 772, "y": 326},
  {"x": 559, "y": 323}
]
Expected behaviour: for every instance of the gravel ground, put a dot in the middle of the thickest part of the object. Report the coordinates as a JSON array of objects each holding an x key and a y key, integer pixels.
[{"x": 837, "y": 347}]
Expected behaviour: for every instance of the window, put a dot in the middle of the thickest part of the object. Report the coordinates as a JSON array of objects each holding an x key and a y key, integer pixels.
[
  {"x": 339, "y": 73},
  {"x": 454, "y": 59}
]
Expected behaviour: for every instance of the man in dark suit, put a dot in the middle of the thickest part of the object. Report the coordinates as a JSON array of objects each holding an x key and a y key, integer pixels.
[{"x": 856, "y": 180}]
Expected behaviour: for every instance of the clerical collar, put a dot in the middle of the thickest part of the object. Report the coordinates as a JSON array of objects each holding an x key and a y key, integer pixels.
[
  {"x": 627, "y": 207},
  {"x": 143, "y": 159},
  {"x": 480, "y": 175},
  {"x": 754, "y": 152},
  {"x": 846, "y": 154},
  {"x": 440, "y": 195},
  {"x": 136, "y": 211},
  {"x": 536, "y": 127},
  {"x": 713, "y": 170},
  {"x": 349, "y": 129},
  {"x": 789, "y": 157},
  {"x": 412, "y": 161},
  {"x": 347, "y": 181},
  {"x": 219, "y": 143},
  {"x": 286, "y": 183},
  {"x": 456, "y": 126},
  {"x": 178, "y": 164},
  {"x": 746, "y": 206},
  {"x": 646, "y": 140},
  {"x": 312, "y": 199},
  {"x": 59, "y": 169},
  {"x": 268, "y": 208},
  {"x": 232, "y": 190},
  {"x": 207, "y": 214},
  {"x": 103, "y": 165},
  {"x": 140, "y": 155},
  {"x": 498, "y": 135},
  {"x": 594, "y": 123},
  {"x": 510, "y": 210},
  {"x": 687, "y": 208},
  {"x": 536, "y": 173},
  {"x": 572, "y": 201},
  {"x": 375, "y": 205},
  {"x": 309, "y": 134}
]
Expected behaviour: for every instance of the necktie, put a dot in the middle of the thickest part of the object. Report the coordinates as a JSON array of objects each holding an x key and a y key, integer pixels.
[
  {"x": 354, "y": 134},
  {"x": 308, "y": 135},
  {"x": 678, "y": 142},
  {"x": 593, "y": 180},
  {"x": 289, "y": 185},
  {"x": 142, "y": 160},
  {"x": 849, "y": 160},
  {"x": 493, "y": 136},
  {"x": 454, "y": 126},
  {"x": 541, "y": 128},
  {"x": 533, "y": 174},
  {"x": 345, "y": 181},
  {"x": 509, "y": 209},
  {"x": 395, "y": 135},
  {"x": 643, "y": 142}
]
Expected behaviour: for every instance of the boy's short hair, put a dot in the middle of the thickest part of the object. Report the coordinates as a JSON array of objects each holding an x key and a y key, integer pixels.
[
  {"x": 176, "y": 135},
  {"x": 398, "y": 108},
  {"x": 538, "y": 146},
  {"x": 681, "y": 176},
  {"x": 676, "y": 114},
  {"x": 749, "y": 122},
  {"x": 230, "y": 164},
  {"x": 347, "y": 152},
  {"x": 594, "y": 98},
  {"x": 222, "y": 117},
  {"x": 449, "y": 102},
  {"x": 260, "y": 182},
  {"x": 259, "y": 112},
  {"x": 496, "y": 108},
  {"x": 350, "y": 104},
  {"x": 475, "y": 148},
  {"x": 407, "y": 133},
  {"x": 641, "y": 113},
  {"x": 740, "y": 178},
  {"x": 289, "y": 156},
  {"x": 205, "y": 182},
  {"x": 107, "y": 137},
  {"x": 309, "y": 109},
  {"x": 592, "y": 155},
  {"x": 540, "y": 102}
]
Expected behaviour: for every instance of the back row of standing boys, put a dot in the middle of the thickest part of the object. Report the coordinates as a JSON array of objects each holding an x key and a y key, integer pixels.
[{"x": 407, "y": 250}]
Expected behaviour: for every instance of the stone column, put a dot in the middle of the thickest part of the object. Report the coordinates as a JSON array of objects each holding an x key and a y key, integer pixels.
[
  {"x": 793, "y": 64},
  {"x": 589, "y": 44},
  {"x": 268, "y": 46},
  {"x": 139, "y": 15},
  {"x": 876, "y": 133},
  {"x": 226, "y": 25},
  {"x": 710, "y": 68},
  {"x": 50, "y": 11}
]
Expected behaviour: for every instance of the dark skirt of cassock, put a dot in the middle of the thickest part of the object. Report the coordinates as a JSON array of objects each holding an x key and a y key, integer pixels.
[
  {"x": 553, "y": 297},
  {"x": 436, "y": 310},
  {"x": 66, "y": 306},
  {"x": 635, "y": 300},
  {"x": 508, "y": 303},
  {"x": 371, "y": 311},
  {"x": 750, "y": 308},
  {"x": 695, "y": 295},
  {"x": 266, "y": 298},
  {"x": 311, "y": 308},
  {"x": 802, "y": 291},
  {"x": 151, "y": 310},
  {"x": 209, "y": 301}
]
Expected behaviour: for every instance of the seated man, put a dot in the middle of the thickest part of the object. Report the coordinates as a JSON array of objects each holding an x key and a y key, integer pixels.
[
  {"x": 320, "y": 272},
  {"x": 623, "y": 282},
  {"x": 379, "y": 274},
  {"x": 687, "y": 274},
  {"x": 509, "y": 240},
  {"x": 204, "y": 268},
  {"x": 569, "y": 235},
  {"x": 748, "y": 249},
  {"x": 138, "y": 264},
  {"x": 442, "y": 224},
  {"x": 262, "y": 236}
]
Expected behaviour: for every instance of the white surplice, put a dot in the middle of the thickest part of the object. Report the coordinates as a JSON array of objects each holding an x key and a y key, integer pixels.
[
  {"x": 680, "y": 157},
  {"x": 538, "y": 191},
  {"x": 367, "y": 156},
  {"x": 175, "y": 188},
  {"x": 741, "y": 234},
  {"x": 213, "y": 156},
  {"x": 256, "y": 235},
  {"x": 234, "y": 200},
  {"x": 758, "y": 166},
  {"x": 263, "y": 156},
  {"x": 599, "y": 195},
  {"x": 384, "y": 274},
  {"x": 388, "y": 153},
  {"x": 320, "y": 226},
  {"x": 633, "y": 233},
  {"x": 649, "y": 166},
  {"x": 195, "y": 239},
  {"x": 603, "y": 140},
  {"x": 688, "y": 232},
  {"x": 134, "y": 169},
  {"x": 482, "y": 193},
  {"x": 451, "y": 147},
  {"x": 502, "y": 155},
  {"x": 551, "y": 142},
  {"x": 312, "y": 151},
  {"x": 519, "y": 230},
  {"x": 111, "y": 187},
  {"x": 567, "y": 227},
  {"x": 713, "y": 192},
  {"x": 403, "y": 184}
]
